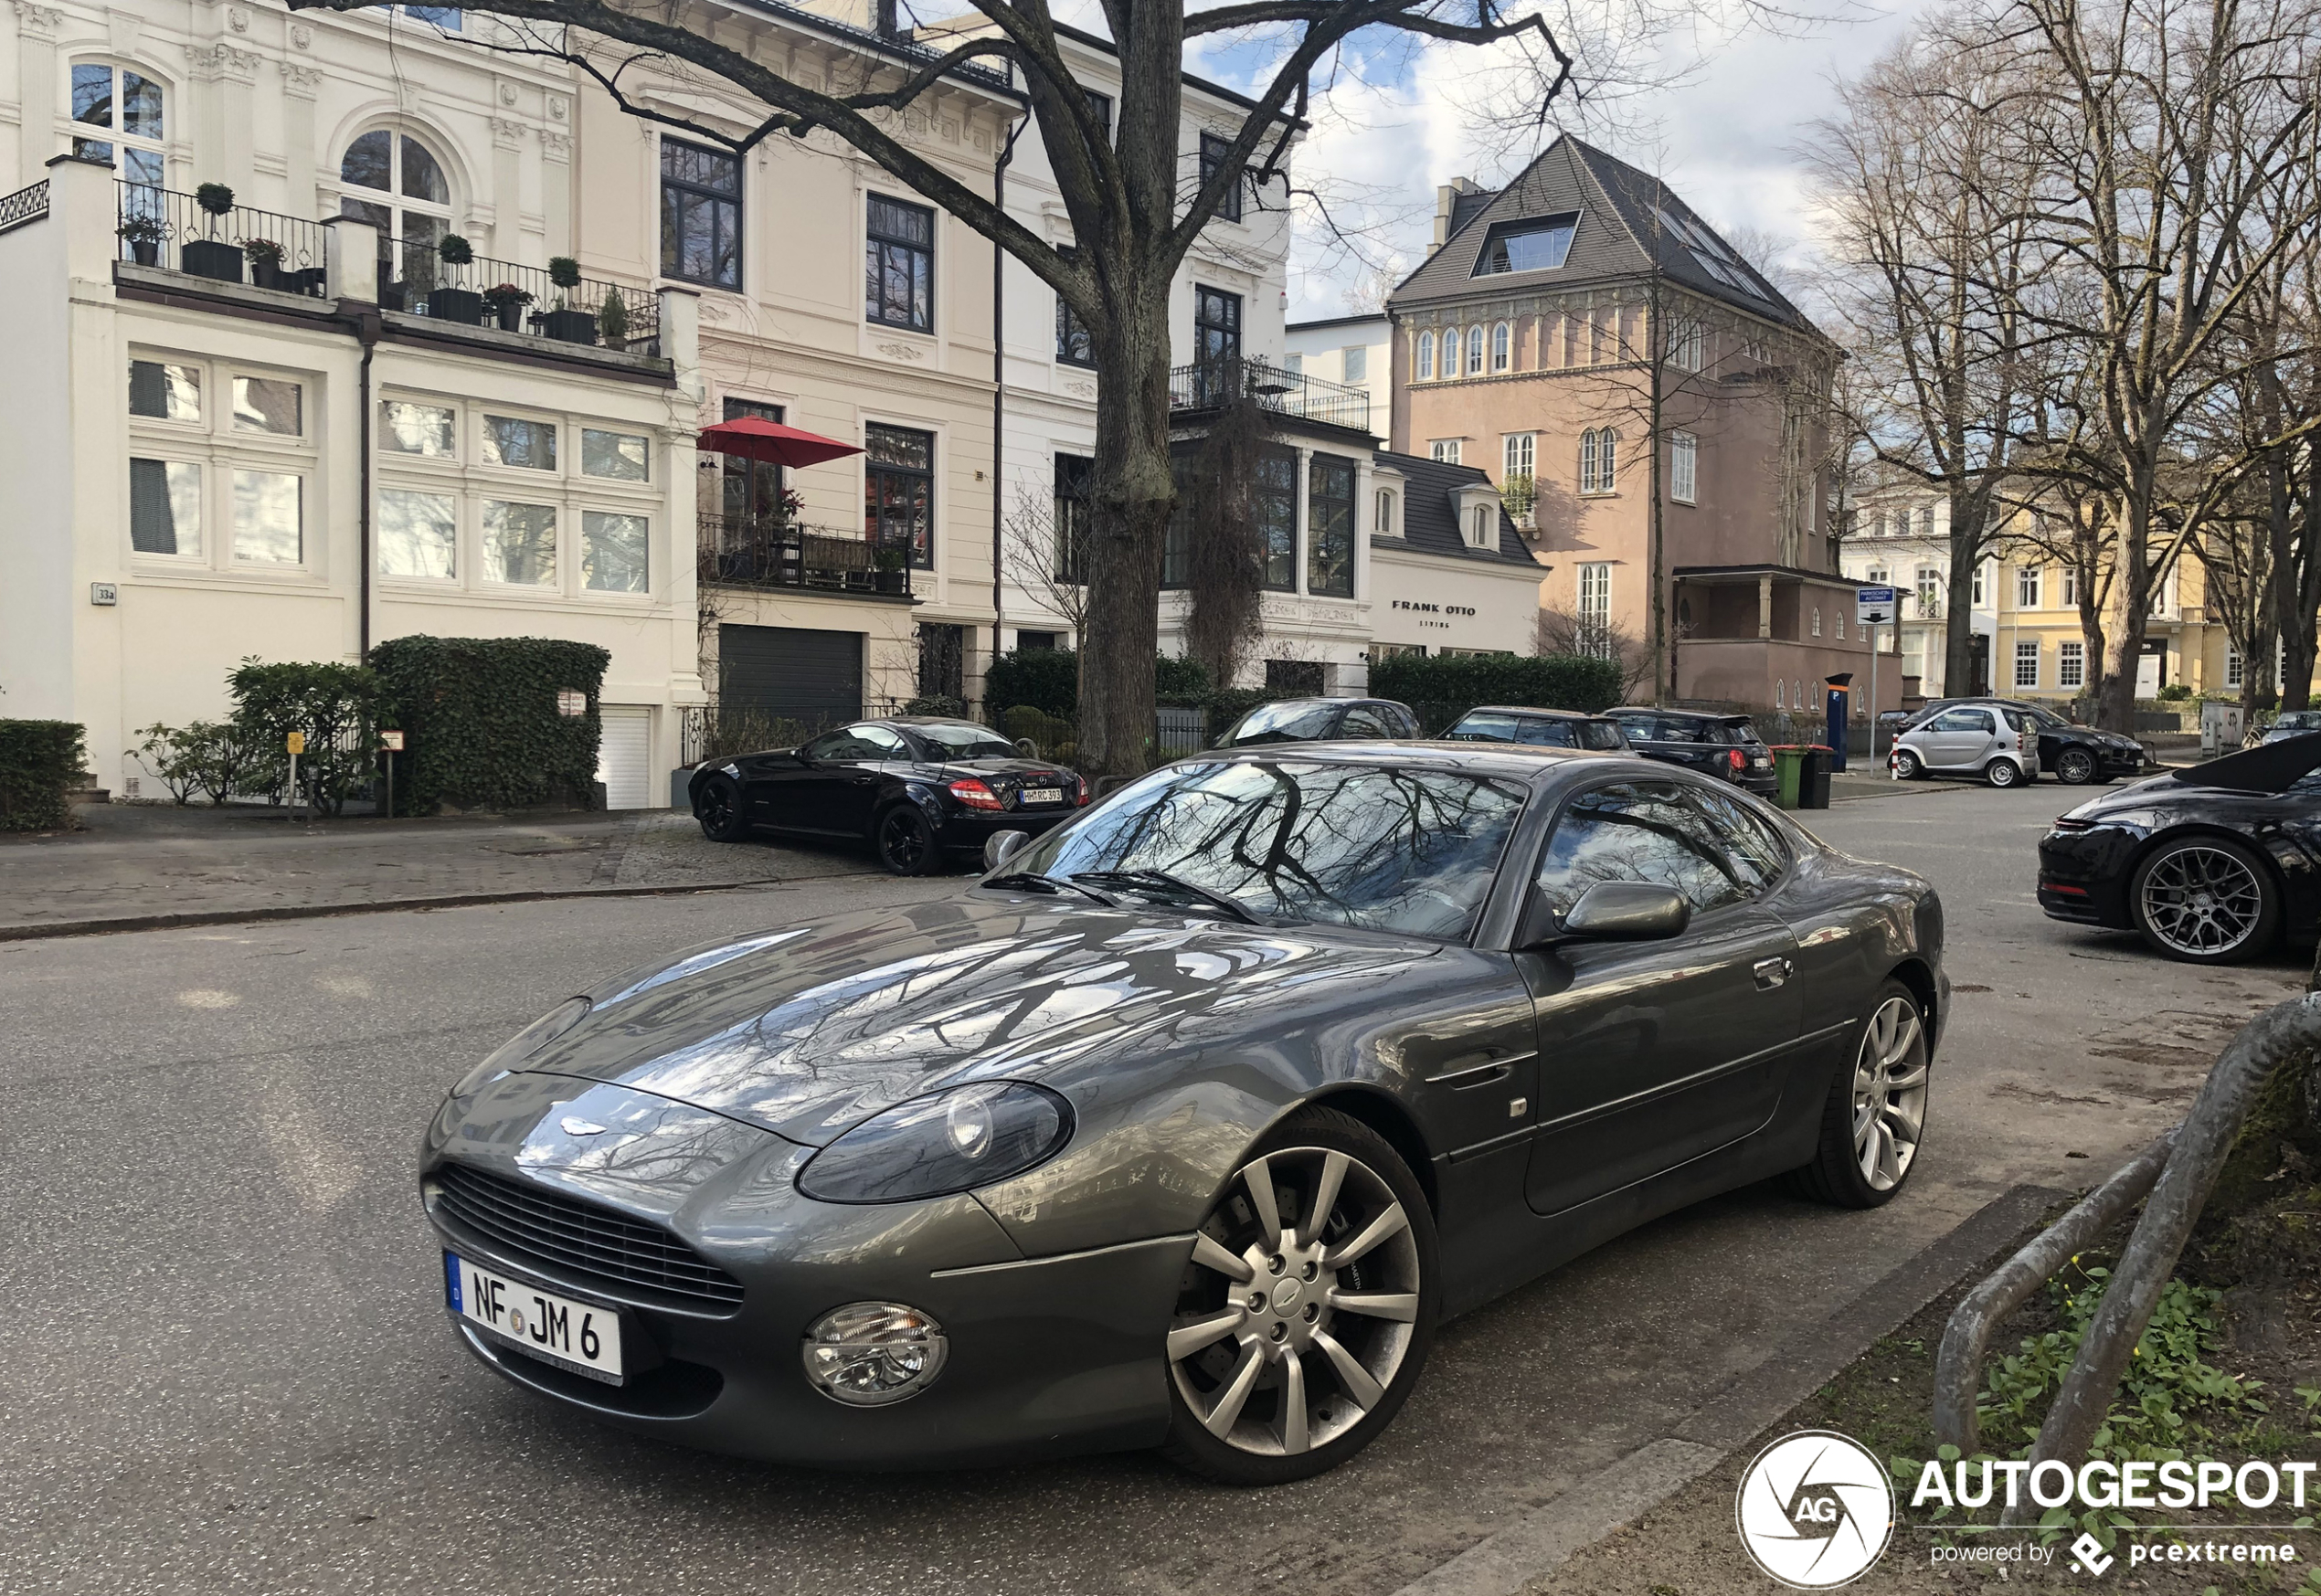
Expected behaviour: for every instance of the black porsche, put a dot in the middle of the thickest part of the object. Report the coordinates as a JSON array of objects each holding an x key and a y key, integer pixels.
[
  {"x": 2212, "y": 863},
  {"x": 1186, "y": 1126},
  {"x": 916, "y": 788}
]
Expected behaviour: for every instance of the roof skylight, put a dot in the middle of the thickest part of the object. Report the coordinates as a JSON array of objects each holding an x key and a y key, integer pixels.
[{"x": 1541, "y": 243}]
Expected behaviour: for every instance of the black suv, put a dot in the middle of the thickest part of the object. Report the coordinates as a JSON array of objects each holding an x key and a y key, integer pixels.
[
  {"x": 1321, "y": 720},
  {"x": 1724, "y": 745},
  {"x": 2074, "y": 755}
]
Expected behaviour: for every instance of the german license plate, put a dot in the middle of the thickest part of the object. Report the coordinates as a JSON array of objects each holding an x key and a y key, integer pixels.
[
  {"x": 1043, "y": 794},
  {"x": 580, "y": 1337}
]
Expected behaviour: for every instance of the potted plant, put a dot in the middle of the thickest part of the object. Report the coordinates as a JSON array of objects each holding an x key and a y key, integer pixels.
[
  {"x": 144, "y": 235},
  {"x": 891, "y": 574},
  {"x": 612, "y": 318},
  {"x": 265, "y": 256},
  {"x": 455, "y": 304},
  {"x": 565, "y": 322},
  {"x": 1521, "y": 497},
  {"x": 506, "y": 301},
  {"x": 208, "y": 256}
]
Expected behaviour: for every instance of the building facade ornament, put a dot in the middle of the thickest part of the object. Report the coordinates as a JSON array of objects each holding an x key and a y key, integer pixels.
[
  {"x": 38, "y": 22},
  {"x": 305, "y": 82},
  {"x": 902, "y": 351}
]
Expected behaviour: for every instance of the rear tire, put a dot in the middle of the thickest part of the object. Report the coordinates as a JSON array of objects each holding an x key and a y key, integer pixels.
[
  {"x": 2075, "y": 767},
  {"x": 1344, "y": 1372},
  {"x": 1874, "y": 1118},
  {"x": 1906, "y": 765},
  {"x": 2205, "y": 900},
  {"x": 718, "y": 809},
  {"x": 906, "y": 842},
  {"x": 2003, "y": 773}
]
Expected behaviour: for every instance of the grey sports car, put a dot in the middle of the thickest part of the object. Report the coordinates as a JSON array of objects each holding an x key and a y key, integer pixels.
[{"x": 1187, "y": 1124}]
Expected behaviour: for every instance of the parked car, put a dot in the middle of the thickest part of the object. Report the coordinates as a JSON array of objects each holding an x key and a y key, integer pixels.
[
  {"x": 2292, "y": 723},
  {"x": 1989, "y": 742},
  {"x": 918, "y": 789},
  {"x": 1540, "y": 728},
  {"x": 2074, "y": 754},
  {"x": 1724, "y": 745},
  {"x": 2212, "y": 863},
  {"x": 1186, "y": 1125},
  {"x": 1321, "y": 720}
]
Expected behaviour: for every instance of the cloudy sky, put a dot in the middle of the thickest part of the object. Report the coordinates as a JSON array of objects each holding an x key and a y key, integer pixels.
[{"x": 1390, "y": 131}]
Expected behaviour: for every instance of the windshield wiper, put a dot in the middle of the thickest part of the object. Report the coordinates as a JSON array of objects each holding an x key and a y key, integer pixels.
[
  {"x": 1161, "y": 878},
  {"x": 1028, "y": 881}
]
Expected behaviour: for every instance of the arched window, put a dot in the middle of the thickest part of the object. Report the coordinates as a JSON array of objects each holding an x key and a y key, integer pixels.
[
  {"x": 1425, "y": 356},
  {"x": 1502, "y": 346},
  {"x": 128, "y": 106},
  {"x": 1587, "y": 461},
  {"x": 1598, "y": 447},
  {"x": 1780, "y": 694},
  {"x": 1474, "y": 352},
  {"x": 1816, "y": 620},
  {"x": 395, "y": 182}
]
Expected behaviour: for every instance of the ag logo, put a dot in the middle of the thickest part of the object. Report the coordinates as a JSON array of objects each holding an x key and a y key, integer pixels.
[{"x": 1815, "y": 1510}]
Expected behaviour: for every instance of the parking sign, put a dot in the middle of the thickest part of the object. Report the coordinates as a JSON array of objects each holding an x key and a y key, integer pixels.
[{"x": 1874, "y": 605}]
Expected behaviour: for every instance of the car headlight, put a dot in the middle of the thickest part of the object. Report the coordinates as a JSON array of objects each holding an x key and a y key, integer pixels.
[
  {"x": 511, "y": 1053},
  {"x": 868, "y": 1354},
  {"x": 934, "y": 1146}
]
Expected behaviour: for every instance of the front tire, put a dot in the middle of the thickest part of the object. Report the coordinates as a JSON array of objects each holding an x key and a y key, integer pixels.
[
  {"x": 1306, "y": 1308},
  {"x": 906, "y": 842},
  {"x": 1906, "y": 765},
  {"x": 718, "y": 809},
  {"x": 2003, "y": 773},
  {"x": 2205, "y": 900},
  {"x": 1875, "y": 1115},
  {"x": 2075, "y": 767}
]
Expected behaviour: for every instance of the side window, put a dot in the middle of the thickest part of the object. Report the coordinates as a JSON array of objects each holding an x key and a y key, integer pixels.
[
  {"x": 1362, "y": 722},
  {"x": 1678, "y": 731},
  {"x": 1976, "y": 720},
  {"x": 1959, "y": 720},
  {"x": 1642, "y": 832},
  {"x": 1747, "y": 840},
  {"x": 839, "y": 745},
  {"x": 1542, "y": 733},
  {"x": 878, "y": 743},
  {"x": 1483, "y": 728}
]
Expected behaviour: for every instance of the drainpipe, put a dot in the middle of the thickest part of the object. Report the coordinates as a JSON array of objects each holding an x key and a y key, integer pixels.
[
  {"x": 999, "y": 391},
  {"x": 351, "y": 280},
  {"x": 367, "y": 328}
]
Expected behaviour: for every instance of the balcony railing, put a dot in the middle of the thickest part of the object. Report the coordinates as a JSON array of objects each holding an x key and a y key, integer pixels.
[
  {"x": 765, "y": 553},
  {"x": 1209, "y": 383},
  {"x": 482, "y": 292},
  {"x": 160, "y": 227}
]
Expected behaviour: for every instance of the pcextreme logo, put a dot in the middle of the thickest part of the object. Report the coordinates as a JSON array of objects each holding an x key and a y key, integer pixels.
[{"x": 1815, "y": 1510}]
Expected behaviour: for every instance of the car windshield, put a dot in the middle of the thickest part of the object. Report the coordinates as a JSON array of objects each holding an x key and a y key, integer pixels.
[
  {"x": 1285, "y": 723},
  {"x": 2299, "y": 719},
  {"x": 959, "y": 741},
  {"x": 1411, "y": 851}
]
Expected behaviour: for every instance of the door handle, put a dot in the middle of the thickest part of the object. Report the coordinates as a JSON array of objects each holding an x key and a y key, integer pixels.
[{"x": 1772, "y": 972}]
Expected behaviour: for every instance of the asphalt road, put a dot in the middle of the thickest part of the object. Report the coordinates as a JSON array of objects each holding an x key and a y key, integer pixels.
[{"x": 228, "y": 1367}]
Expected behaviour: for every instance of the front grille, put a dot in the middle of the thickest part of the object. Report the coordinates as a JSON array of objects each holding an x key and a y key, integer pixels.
[{"x": 582, "y": 1238}]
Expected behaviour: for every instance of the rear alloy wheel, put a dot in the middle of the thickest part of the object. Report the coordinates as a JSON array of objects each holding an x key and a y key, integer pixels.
[
  {"x": 2206, "y": 901},
  {"x": 2075, "y": 767},
  {"x": 1875, "y": 1118},
  {"x": 1906, "y": 765},
  {"x": 718, "y": 809},
  {"x": 906, "y": 841},
  {"x": 1306, "y": 1310},
  {"x": 2003, "y": 773}
]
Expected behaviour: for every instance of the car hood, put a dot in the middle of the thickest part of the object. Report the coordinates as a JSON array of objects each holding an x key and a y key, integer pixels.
[
  {"x": 2150, "y": 793},
  {"x": 807, "y": 1030}
]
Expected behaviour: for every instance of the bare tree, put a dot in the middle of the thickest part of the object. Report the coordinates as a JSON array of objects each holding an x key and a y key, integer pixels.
[
  {"x": 1564, "y": 631},
  {"x": 1040, "y": 554},
  {"x": 1135, "y": 198}
]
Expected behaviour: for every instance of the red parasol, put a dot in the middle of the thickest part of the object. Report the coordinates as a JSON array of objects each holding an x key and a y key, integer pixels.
[{"x": 753, "y": 437}]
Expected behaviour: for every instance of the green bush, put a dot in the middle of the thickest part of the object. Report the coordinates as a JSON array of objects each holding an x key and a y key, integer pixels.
[
  {"x": 1441, "y": 688},
  {"x": 937, "y": 705},
  {"x": 479, "y": 721},
  {"x": 40, "y": 765},
  {"x": 1048, "y": 680},
  {"x": 1180, "y": 680},
  {"x": 2175, "y": 692},
  {"x": 1051, "y": 736},
  {"x": 213, "y": 758},
  {"x": 335, "y": 705}
]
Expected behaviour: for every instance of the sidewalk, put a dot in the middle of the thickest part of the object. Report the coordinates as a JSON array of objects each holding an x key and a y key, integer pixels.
[{"x": 145, "y": 864}]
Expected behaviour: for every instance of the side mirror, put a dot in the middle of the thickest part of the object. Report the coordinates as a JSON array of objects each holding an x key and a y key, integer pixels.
[
  {"x": 1628, "y": 911},
  {"x": 1001, "y": 846}
]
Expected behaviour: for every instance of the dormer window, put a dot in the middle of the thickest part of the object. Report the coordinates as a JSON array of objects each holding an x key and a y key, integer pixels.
[
  {"x": 1538, "y": 244},
  {"x": 1481, "y": 522}
]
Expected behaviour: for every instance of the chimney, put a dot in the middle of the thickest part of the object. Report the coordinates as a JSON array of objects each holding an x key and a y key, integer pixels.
[{"x": 1447, "y": 206}]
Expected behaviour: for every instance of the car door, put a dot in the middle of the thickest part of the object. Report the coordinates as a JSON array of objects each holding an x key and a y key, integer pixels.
[
  {"x": 1652, "y": 1054},
  {"x": 848, "y": 788},
  {"x": 1960, "y": 739}
]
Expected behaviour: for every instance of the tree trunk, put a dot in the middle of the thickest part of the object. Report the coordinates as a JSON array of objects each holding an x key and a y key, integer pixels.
[
  {"x": 1129, "y": 525},
  {"x": 2115, "y": 693},
  {"x": 1958, "y": 621},
  {"x": 2297, "y": 569}
]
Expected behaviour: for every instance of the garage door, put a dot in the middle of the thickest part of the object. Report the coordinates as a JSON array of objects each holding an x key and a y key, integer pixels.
[
  {"x": 790, "y": 673},
  {"x": 624, "y": 756}
]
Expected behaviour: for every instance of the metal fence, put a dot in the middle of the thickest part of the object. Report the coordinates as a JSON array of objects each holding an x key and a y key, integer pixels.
[
  {"x": 160, "y": 227},
  {"x": 754, "y": 552},
  {"x": 25, "y": 207},
  {"x": 1208, "y": 384},
  {"x": 483, "y": 292}
]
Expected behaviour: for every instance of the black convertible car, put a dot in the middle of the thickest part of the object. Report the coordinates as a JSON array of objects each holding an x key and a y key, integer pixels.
[
  {"x": 914, "y": 789},
  {"x": 2212, "y": 863},
  {"x": 1188, "y": 1124}
]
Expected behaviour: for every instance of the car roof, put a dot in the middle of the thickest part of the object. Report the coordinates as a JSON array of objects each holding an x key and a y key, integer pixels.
[
  {"x": 924, "y": 721},
  {"x": 1715, "y": 717},
  {"x": 1522, "y": 761},
  {"x": 1525, "y": 709}
]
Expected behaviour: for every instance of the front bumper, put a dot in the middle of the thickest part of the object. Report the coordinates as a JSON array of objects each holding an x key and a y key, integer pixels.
[
  {"x": 1047, "y": 1356},
  {"x": 2082, "y": 875}
]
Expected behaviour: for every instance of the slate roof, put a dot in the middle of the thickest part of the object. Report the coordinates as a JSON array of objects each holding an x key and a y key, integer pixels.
[
  {"x": 1620, "y": 235},
  {"x": 1430, "y": 510}
]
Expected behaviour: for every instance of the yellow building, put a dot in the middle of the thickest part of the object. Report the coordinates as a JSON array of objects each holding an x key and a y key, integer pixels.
[{"x": 2037, "y": 649}]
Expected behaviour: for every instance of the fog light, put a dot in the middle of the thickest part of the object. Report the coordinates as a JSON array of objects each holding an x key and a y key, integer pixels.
[{"x": 868, "y": 1354}]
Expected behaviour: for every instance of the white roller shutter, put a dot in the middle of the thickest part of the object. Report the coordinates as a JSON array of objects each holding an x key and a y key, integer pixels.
[{"x": 624, "y": 756}]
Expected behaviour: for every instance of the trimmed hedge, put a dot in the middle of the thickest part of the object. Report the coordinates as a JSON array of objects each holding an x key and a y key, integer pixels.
[
  {"x": 334, "y": 704},
  {"x": 1048, "y": 680},
  {"x": 479, "y": 716},
  {"x": 1441, "y": 688},
  {"x": 40, "y": 764}
]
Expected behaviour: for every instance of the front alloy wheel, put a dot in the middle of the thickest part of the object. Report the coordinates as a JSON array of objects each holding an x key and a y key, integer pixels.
[
  {"x": 1306, "y": 1310},
  {"x": 2075, "y": 767},
  {"x": 2206, "y": 901},
  {"x": 1875, "y": 1117}
]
